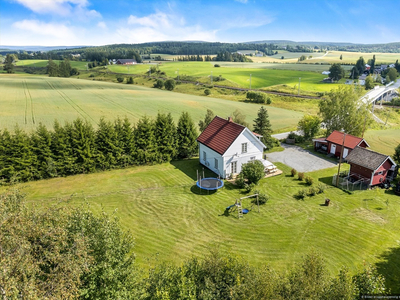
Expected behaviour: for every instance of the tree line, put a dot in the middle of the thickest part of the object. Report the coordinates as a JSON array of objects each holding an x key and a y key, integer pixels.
[
  {"x": 60, "y": 252},
  {"x": 77, "y": 148},
  {"x": 63, "y": 69}
]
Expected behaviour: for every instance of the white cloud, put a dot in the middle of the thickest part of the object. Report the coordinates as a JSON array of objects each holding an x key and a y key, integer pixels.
[
  {"x": 41, "y": 28},
  {"x": 102, "y": 25},
  {"x": 242, "y": 1},
  {"x": 161, "y": 26},
  {"x": 60, "y": 7}
]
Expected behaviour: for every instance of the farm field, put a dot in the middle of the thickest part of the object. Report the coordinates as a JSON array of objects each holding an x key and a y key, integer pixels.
[
  {"x": 237, "y": 76},
  {"x": 383, "y": 141},
  {"x": 28, "y": 100},
  {"x": 81, "y": 65},
  {"x": 171, "y": 221}
]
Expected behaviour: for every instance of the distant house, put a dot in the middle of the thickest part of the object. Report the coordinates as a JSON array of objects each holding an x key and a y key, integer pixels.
[
  {"x": 333, "y": 143},
  {"x": 224, "y": 146},
  {"x": 367, "y": 67},
  {"x": 373, "y": 167},
  {"x": 326, "y": 72},
  {"x": 383, "y": 67},
  {"x": 125, "y": 62},
  {"x": 392, "y": 65},
  {"x": 259, "y": 54}
]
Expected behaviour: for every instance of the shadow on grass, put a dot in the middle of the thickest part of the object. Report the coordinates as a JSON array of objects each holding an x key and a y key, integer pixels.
[
  {"x": 326, "y": 180},
  {"x": 190, "y": 167},
  {"x": 390, "y": 268},
  {"x": 198, "y": 191}
]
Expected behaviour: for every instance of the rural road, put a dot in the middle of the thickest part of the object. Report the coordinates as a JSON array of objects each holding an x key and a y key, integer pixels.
[
  {"x": 284, "y": 135},
  {"x": 300, "y": 159}
]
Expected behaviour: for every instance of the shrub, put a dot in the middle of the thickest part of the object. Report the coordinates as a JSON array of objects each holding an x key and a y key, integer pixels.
[
  {"x": 262, "y": 198},
  {"x": 120, "y": 79},
  {"x": 249, "y": 187},
  {"x": 293, "y": 172},
  {"x": 130, "y": 80},
  {"x": 300, "y": 176},
  {"x": 269, "y": 101},
  {"x": 300, "y": 195},
  {"x": 321, "y": 188},
  {"x": 309, "y": 180},
  {"x": 253, "y": 171},
  {"x": 256, "y": 97},
  {"x": 159, "y": 84},
  {"x": 91, "y": 75},
  {"x": 216, "y": 65},
  {"x": 240, "y": 182},
  {"x": 169, "y": 84},
  {"x": 207, "y": 92},
  {"x": 312, "y": 191}
]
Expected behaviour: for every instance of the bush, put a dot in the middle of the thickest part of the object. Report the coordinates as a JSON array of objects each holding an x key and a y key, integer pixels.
[
  {"x": 169, "y": 84},
  {"x": 253, "y": 171},
  {"x": 262, "y": 198},
  {"x": 296, "y": 137},
  {"x": 207, "y": 92},
  {"x": 216, "y": 65},
  {"x": 309, "y": 180},
  {"x": 300, "y": 176},
  {"x": 159, "y": 84},
  {"x": 293, "y": 172},
  {"x": 130, "y": 80},
  {"x": 300, "y": 195},
  {"x": 120, "y": 79},
  {"x": 256, "y": 97},
  {"x": 240, "y": 182},
  {"x": 321, "y": 188},
  {"x": 249, "y": 187},
  {"x": 269, "y": 101},
  {"x": 312, "y": 191},
  {"x": 91, "y": 75}
]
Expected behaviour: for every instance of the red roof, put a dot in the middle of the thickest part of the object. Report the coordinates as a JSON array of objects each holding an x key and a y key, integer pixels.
[
  {"x": 220, "y": 134},
  {"x": 351, "y": 141}
]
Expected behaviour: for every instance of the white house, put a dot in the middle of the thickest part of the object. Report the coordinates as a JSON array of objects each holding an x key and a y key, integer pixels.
[{"x": 225, "y": 146}]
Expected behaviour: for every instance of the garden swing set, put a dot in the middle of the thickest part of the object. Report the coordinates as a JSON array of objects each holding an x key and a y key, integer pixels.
[{"x": 238, "y": 206}]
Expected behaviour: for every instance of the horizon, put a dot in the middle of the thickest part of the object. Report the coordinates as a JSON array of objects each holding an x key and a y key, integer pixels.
[{"x": 97, "y": 23}]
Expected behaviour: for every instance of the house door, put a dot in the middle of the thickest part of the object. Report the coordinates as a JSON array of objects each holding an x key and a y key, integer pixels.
[
  {"x": 345, "y": 152},
  {"x": 333, "y": 149},
  {"x": 234, "y": 167}
]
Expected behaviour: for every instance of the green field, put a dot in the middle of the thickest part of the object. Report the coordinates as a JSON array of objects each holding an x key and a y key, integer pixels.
[
  {"x": 236, "y": 74},
  {"x": 81, "y": 65},
  {"x": 171, "y": 221},
  {"x": 383, "y": 141},
  {"x": 28, "y": 100}
]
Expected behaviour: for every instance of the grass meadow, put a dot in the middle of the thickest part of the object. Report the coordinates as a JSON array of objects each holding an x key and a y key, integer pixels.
[
  {"x": 383, "y": 141},
  {"x": 28, "y": 100},
  {"x": 172, "y": 221},
  {"x": 43, "y": 63}
]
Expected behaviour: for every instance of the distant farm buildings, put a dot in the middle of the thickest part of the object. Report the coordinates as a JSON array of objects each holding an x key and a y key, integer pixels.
[{"x": 125, "y": 62}]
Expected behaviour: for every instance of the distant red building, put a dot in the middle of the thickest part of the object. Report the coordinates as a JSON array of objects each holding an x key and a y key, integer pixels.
[
  {"x": 126, "y": 62},
  {"x": 333, "y": 143},
  {"x": 372, "y": 166}
]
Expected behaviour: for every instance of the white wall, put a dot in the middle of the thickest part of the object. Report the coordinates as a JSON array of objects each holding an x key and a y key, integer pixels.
[
  {"x": 234, "y": 152},
  {"x": 210, "y": 156}
]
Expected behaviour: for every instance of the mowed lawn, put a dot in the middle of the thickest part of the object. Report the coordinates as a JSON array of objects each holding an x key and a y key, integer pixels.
[
  {"x": 28, "y": 100},
  {"x": 236, "y": 74},
  {"x": 171, "y": 221},
  {"x": 383, "y": 141}
]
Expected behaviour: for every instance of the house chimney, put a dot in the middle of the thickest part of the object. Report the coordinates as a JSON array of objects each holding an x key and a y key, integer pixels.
[{"x": 230, "y": 119}]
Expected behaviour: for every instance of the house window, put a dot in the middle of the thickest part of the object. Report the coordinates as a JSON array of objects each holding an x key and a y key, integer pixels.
[
  {"x": 252, "y": 158},
  {"x": 204, "y": 155},
  {"x": 215, "y": 163},
  {"x": 244, "y": 148},
  {"x": 380, "y": 172},
  {"x": 234, "y": 167}
]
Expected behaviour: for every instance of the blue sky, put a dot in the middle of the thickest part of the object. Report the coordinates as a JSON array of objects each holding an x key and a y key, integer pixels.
[{"x": 100, "y": 22}]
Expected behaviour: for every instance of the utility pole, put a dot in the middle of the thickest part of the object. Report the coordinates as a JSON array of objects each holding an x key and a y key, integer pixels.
[
  {"x": 340, "y": 160},
  {"x": 250, "y": 81},
  {"x": 299, "y": 85}
]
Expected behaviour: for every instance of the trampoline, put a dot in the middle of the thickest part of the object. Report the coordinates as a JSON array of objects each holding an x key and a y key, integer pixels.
[{"x": 210, "y": 184}]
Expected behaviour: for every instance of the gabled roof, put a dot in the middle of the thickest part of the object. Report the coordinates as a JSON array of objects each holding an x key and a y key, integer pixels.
[
  {"x": 124, "y": 61},
  {"x": 220, "y": 134},
  {"x": 367, "y": 158},
  {"x": 351, "y": 141}
]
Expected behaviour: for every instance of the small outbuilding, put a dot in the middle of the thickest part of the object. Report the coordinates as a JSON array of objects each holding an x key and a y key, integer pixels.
[
  {"x": 374, "y": 167},
  {"x": 125, "y": 62}
]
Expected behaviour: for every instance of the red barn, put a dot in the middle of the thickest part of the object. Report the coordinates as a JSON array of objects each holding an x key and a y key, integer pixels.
[
  {"x": 333, "y": 143},
  {"x": 126, "y": 62},
  {"x": 370, "y": 165}
]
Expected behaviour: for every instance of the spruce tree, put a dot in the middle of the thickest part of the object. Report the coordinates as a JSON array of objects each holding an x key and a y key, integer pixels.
[
  {"x": 108, "y": 149},
  {"x": 124, "y": 134},
  {"x": 263, "y": 126},
  {"x": 144, "y": 141},
  {"x": 186, "y": 135},
  {"x": 165, "y": 134},
  {"x": 41, "y": 140},
  {"x": 6, "y": 166},
  {"x": 83, "y": 144}
]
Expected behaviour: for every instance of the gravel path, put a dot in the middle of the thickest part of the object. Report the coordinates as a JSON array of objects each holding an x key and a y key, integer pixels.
[{"x": 300, "y": 159}]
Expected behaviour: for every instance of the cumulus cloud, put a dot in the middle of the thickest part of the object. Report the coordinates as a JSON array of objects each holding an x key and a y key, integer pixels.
[
  {"x": 102, "y": 25},
  {"x": 161, "y": 26},
  {"x": 41, "y": 28},
  {"x": 60, "y": 7}
]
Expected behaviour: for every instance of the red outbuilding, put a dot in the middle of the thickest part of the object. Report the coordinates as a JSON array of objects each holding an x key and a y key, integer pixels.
[
  {"x": 333, "y": 143},
  {"x": 371, "y": 166}
]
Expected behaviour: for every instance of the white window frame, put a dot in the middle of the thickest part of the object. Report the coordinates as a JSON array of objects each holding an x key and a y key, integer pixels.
[
  {"x": 244, "y": 147},
  {"x": 234, "y": 167},
  {"x": 216, "y": 163},
  {"x": 204, "y": 155},
  {"x": 253, "y": 158}
]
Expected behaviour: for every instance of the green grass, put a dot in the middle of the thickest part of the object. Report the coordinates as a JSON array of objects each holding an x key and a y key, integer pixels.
[
  {"x": 43, "y": 63},
  {"x": 28, "y": 100},
  {"x": 171, "y": 221},
  {"x": 383, "y": 141},
  {"x": 237, "y": 76}
]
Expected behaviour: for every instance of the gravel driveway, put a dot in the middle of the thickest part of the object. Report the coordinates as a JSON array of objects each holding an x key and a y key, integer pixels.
[{"x": 300, "y": 159}]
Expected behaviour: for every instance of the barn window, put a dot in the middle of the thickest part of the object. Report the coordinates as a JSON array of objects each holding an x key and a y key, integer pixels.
[
  {"x": 380, "y": 172},
  {"x": 244, "y": 148},
  {"x": 216, "y": 163},
  {"x": 204, "y": 155}
]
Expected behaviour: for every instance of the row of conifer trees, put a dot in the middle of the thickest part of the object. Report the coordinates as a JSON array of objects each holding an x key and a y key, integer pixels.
[{"x": 77, "y": 147}]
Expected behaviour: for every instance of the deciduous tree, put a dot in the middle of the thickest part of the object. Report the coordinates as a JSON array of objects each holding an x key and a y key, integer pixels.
[
  {"x": 337, "y": 72},
  {"x": 207, "y": 120},
  {"x": 309, "y": 125}
]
